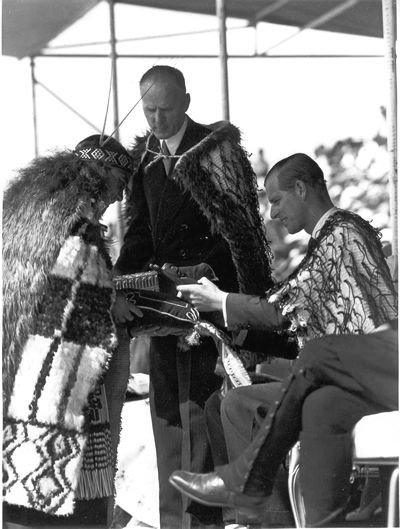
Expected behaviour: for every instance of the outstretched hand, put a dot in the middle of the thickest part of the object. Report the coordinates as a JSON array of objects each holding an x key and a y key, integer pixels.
[
  {"x": 123, "y": 311},
  {"x": 204, "y": 295}
]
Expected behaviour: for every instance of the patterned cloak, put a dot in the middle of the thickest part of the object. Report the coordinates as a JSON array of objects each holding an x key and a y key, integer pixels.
[
  {"x": 216, "y": 172},
  {"x": 58, "y": 338},
  {"x": 343, "y": 285}
]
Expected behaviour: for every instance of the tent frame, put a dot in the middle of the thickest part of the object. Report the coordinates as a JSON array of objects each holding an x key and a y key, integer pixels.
[{"x": 389, "y": 31}]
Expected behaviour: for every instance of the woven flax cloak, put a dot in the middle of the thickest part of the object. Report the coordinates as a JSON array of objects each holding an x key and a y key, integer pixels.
[
  {"x": 343, "y": 284},
  {"x": 58, "y": 339},
  {"x": 216, "y": 172}
]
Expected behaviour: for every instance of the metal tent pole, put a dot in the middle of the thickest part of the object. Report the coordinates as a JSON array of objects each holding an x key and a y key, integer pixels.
[
  {"x": 113, "y": 54},
  {"x": 223, "y": 57},
  {"x": 389, "y": 32},
  {"x": 35, "y": 131},
  {"x": 319, "y": 21},
  {"x": 211, "y": 56}
]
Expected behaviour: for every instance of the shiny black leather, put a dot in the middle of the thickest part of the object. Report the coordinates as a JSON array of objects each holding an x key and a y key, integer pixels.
[{"x": 210, "y": 489}]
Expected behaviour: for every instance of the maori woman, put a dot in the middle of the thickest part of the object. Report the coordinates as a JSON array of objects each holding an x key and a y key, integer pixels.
[{"x": 58, "y": 334}]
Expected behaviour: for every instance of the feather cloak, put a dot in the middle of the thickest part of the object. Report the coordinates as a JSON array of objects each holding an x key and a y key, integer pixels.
[
  {"x": 216, "y": 172},
  {"x": 58, "y": 338}
]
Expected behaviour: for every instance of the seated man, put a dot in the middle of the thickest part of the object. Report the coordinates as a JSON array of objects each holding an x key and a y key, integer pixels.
[
  {"x": 342, "y": 286},
  {"x": 336, "y": 381}
]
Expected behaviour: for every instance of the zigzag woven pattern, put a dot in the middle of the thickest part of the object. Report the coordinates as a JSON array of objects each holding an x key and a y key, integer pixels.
[
  {"x": 56, "y": 440},
  {"x": 41, "y": 465},
  {"x": 105, "y": 155}
]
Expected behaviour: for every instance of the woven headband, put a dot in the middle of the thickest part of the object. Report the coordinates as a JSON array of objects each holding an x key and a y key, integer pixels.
[{"x": 108, "y": 156}]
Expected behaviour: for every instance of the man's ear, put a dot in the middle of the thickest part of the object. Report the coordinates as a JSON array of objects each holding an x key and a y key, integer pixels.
[
  {"x": 187, "y": 97},
  {"x": 300, "y": 189}
]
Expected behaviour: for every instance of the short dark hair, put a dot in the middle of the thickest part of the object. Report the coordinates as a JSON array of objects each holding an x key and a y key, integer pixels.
[
  {"x": 162, "y": 70},
  {"x": 298, "y": 166}
]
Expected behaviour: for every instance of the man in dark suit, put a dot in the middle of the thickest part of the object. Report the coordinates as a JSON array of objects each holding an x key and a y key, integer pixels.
[
  {"x": 193, "y": 203},
  {"x": 342, "y": 286}
]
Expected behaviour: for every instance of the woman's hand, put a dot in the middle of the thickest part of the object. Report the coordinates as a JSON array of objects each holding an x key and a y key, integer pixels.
[
  {"x": 123, "y": 311},
  {"x": 204, "y": 295}
]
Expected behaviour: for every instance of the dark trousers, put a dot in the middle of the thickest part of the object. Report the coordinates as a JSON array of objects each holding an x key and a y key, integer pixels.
[
  {"x": 232, "y": 423},
  {"x": 181, "y": 382},
  {"x": 320, "y": 402}
]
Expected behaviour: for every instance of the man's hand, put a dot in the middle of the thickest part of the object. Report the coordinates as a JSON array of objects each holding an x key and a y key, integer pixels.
[
  {"x": 205, "y": 296},
  {"x": 123, "y": 311}
]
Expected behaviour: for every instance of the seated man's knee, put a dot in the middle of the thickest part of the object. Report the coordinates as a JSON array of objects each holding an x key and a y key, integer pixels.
[
  {"x": 234, "y": 404},
  {"x": 231, "y": 400}
]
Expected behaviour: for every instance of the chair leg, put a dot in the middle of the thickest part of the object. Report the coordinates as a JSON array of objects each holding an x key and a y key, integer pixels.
[
  {"x": 393, "y": 499},
  {"x": 296, "y": 499}
]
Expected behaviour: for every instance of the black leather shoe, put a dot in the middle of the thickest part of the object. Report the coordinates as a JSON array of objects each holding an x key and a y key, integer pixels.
[{"x": 210, "y": 489}]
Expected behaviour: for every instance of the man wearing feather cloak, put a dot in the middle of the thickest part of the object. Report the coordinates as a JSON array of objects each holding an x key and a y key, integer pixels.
[{"x": 193, "y": 204}]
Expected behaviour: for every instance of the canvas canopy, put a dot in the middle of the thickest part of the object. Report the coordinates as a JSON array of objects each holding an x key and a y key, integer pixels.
[{"x": 29, "y": 25}]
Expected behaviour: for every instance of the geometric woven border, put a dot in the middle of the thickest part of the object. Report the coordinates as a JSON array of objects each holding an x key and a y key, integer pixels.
[{"x": 41, "y": 466}]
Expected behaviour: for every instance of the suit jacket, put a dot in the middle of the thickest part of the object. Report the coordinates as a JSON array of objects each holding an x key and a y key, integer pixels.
[
  {"x": 166, "y": 223},
  {"x": 259, "y": 318}
]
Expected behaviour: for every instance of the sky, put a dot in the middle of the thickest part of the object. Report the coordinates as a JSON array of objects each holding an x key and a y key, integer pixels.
[{"x": 280, "y": 105}]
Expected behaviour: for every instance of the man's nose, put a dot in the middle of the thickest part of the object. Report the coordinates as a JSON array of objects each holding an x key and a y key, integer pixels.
[
  {"x": 274, "y": 212},
  {"x": 158, "y": 116}
]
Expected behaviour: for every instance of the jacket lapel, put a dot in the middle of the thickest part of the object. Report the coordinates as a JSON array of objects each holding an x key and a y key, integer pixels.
[{"x": 173, "y": 199}]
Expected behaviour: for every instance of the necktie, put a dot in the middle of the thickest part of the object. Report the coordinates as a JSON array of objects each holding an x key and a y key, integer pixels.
[{"x": 166, "y": 161}]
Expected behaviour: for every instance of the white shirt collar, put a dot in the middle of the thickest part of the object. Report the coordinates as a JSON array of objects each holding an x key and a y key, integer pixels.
[
  {"x": 321, "y": 222},
  {"x": 174, "y": 141}
]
